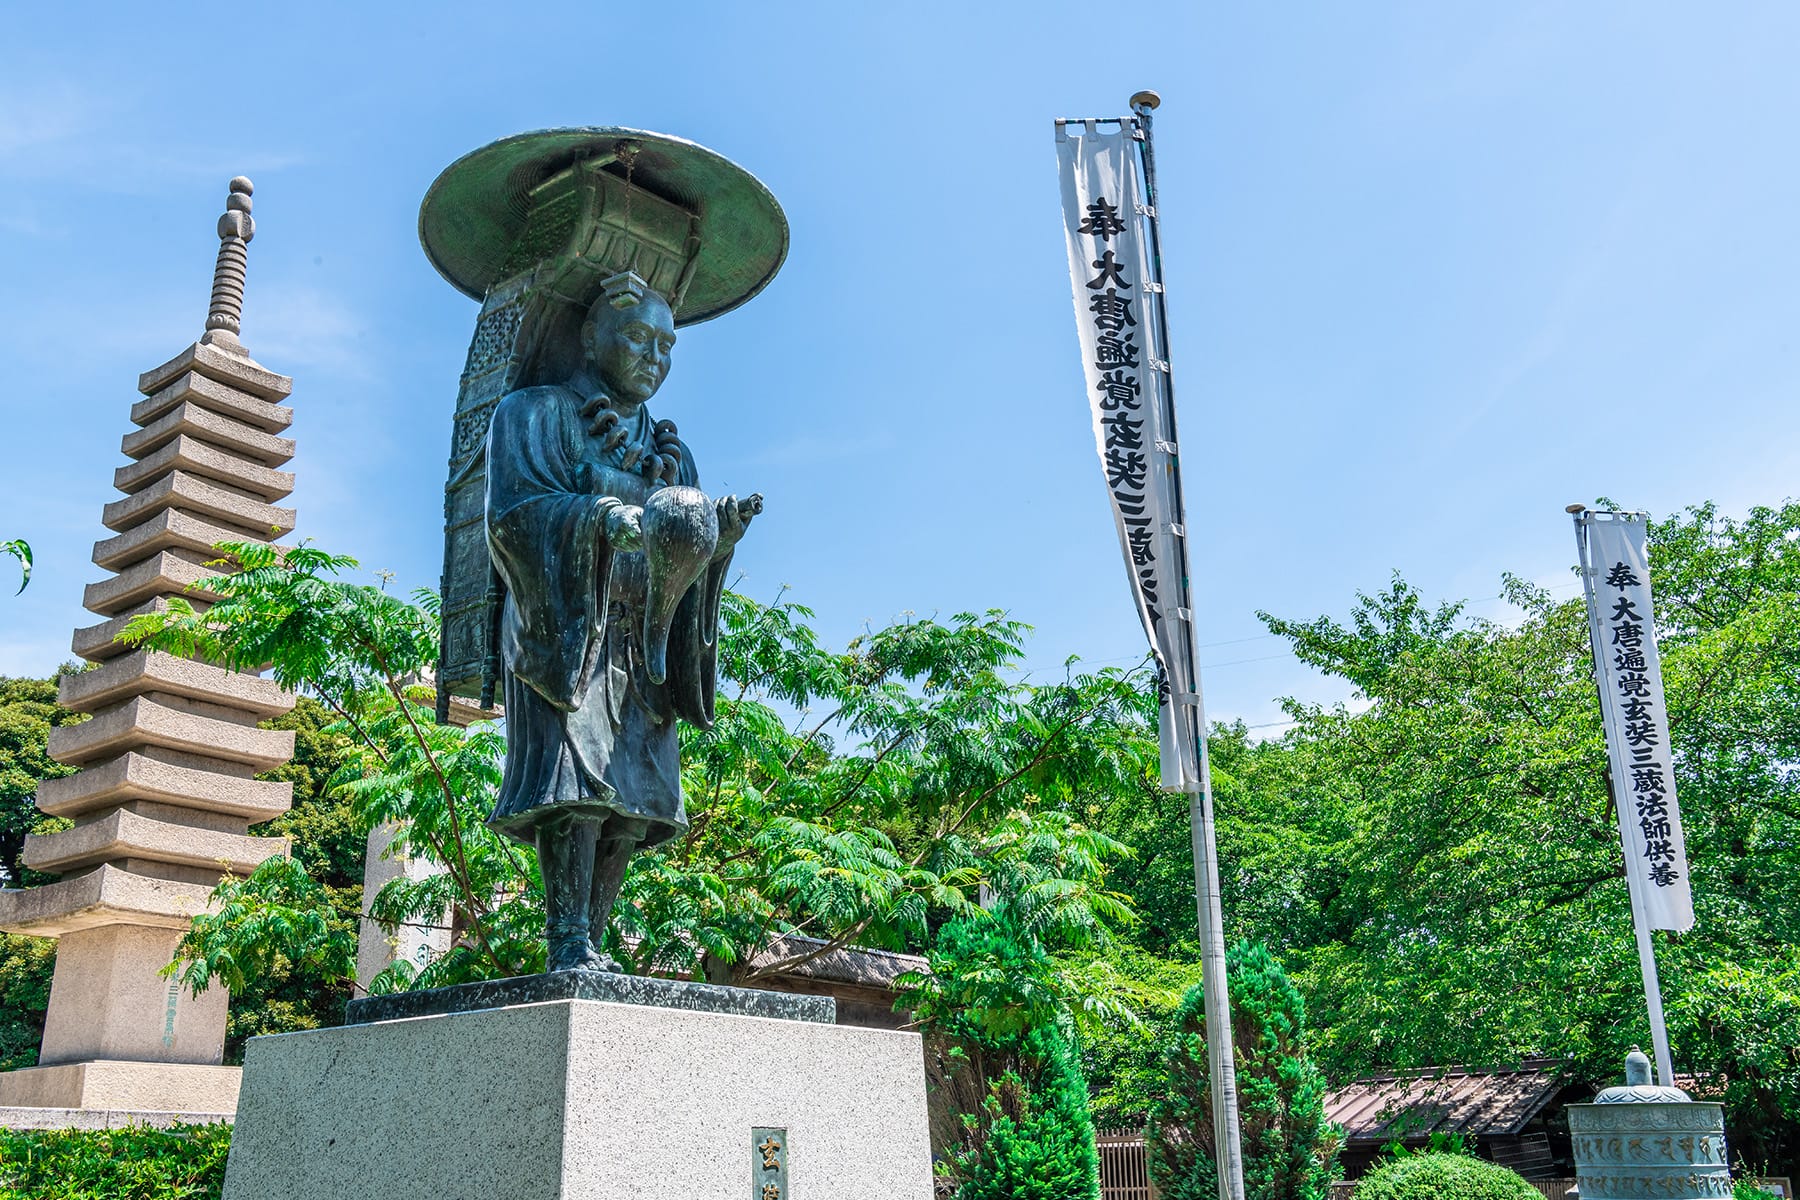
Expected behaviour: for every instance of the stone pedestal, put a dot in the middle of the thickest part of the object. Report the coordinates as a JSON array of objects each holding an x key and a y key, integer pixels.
[
  {"x": 582, "y": 1098},
  {"x": 165, "y": 796},
  {"x": 376, "y": 948}
]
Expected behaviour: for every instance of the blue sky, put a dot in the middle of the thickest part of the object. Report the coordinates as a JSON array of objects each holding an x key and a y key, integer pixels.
[{"x": 1436, "y": 270}]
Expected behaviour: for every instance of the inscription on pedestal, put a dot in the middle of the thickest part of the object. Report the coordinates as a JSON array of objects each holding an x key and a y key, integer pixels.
[
  {"x": 1650, "y": 1151},
  {"x": 769, "y": 1164}
]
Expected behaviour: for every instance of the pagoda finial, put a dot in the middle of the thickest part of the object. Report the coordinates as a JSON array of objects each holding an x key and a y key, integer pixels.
[{"x": 235, "y": 231}]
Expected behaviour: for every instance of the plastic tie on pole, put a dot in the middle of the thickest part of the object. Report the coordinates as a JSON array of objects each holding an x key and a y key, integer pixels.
[{"x": 1160, "y": 364}]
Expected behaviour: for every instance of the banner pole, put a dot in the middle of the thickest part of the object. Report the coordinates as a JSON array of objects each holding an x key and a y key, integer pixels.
[
  {"x": 1220, "y": 1053},
  {"x": 1640, "y": 922}
]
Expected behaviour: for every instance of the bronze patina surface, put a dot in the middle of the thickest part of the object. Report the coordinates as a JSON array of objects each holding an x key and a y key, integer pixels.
[
  {"x": 482, "y": 205},
  {"x": 583, "y": 562}
]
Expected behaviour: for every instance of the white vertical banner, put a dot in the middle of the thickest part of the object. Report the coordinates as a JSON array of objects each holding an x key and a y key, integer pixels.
[
  {"x": 1622, "y": 625},
  {"x": 1114, "y": 278}
]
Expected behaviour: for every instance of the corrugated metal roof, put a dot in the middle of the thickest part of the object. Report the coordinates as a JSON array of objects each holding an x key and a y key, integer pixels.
[{"x": 1412, "y": 1105}]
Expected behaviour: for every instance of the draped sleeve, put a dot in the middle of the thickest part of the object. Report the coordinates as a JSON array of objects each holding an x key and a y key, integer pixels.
[
  {"x": 547, "y": 535},
  {"x": 694, "y": 634}
]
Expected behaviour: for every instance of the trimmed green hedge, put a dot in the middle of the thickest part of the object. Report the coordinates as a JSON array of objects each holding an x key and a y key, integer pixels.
[
  {"x": 1443, "y": 1177},
  {"x": 185, "y": 1162}
]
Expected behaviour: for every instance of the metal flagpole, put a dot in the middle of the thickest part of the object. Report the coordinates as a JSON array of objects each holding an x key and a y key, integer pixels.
[
  {"x": 1219, "y": 1051},
  {"x": 1659, "y": 1032}
]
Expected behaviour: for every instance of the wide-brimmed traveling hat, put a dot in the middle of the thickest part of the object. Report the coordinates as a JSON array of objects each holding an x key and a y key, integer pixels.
[{"x": 701, "y": 229}]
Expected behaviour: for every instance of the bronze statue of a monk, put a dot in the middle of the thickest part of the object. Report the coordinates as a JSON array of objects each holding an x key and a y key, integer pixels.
[
  {"x": 594, "y": 602},
  {"x": 613, "y": 563}
]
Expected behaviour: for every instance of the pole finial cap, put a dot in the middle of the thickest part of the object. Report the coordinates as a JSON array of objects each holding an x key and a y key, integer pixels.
[
  {"x": 1576, "y": 509},
  {"x": 1145, "y": 99}
]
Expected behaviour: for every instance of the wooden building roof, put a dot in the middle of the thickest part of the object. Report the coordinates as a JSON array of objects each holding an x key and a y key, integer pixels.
[{"x": 1413, "y": 1105}]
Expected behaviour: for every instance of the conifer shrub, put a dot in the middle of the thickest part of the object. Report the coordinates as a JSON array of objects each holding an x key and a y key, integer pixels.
[
  {"x": 1040, "y": 1138},
  {"x": 1010, "y": 1117},
  {"x": 1442, "y": 1177},
  {"x": 1289, "y": 1149},
  {"x": 184, "y": 1162}
]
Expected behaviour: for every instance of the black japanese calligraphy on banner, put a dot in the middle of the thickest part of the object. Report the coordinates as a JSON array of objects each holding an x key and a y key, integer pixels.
[
  {"x": 1128, "y": 380},
  {"x": 1629, "y": 671}
]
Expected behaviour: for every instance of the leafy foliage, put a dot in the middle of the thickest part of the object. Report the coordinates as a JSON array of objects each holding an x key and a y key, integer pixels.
[
  {"x": 361, "y": 651},
  {"x": 1442, "y": 1177},
  {"x": 1289, "y": 1149},
  {"x": 28, "y": 712},
  {"x": 26, "y": 965},
  {"x": 1121, "y": 1055},
  {"x": 917, "y": 773},
  {"x": 329, "y": 842},
  {"x": 132, "y": 1163},
  {"x": 926, "y": 776}
]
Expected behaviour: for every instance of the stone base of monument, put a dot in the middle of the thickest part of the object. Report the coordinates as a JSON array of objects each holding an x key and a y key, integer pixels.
[
  {"x": 204, "y": 1091},
  {"x": 583, "y": 1084},
  {"x": 101, "y": 1118}
]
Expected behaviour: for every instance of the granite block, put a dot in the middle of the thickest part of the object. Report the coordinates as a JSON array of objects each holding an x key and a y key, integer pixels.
[
  {"x": 123, "y": 834},
  {"x": 190, "y": 493},
  {"x": 572, "y": 1100},
  {"x": 107, "y": 895},
  {"x": 608, "y": 986},
  {"x": 194, "y": 457},
  {"x": 195, "y": 388},
  {"x": 197, "y": 1092},
  {"x": 233, "y": 370}
]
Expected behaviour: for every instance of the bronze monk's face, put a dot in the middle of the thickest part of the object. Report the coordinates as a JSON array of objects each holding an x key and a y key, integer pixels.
[{"x": 629, "y": 347}]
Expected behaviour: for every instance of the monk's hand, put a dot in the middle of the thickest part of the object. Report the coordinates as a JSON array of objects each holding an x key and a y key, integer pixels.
[
  {"x": 668, "y": 452},
  {"x": 734, "y": 518},
  {"x": 624, "y": 527}
]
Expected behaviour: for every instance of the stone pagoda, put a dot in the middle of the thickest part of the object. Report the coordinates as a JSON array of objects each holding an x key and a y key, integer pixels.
[{"x": 166, "y": 791}]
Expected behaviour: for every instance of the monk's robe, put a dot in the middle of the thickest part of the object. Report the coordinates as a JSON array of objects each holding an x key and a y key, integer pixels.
[{"x": 587, "y": 732}]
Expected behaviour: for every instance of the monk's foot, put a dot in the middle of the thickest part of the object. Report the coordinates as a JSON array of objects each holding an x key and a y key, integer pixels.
[{"x": 573, "y": 953}]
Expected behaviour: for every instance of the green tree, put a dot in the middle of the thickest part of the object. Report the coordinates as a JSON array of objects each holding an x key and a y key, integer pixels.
[
  {"x": 360, "y": 651},
  {"x": 1440, "y": 866},
  {"x": 329, "y": 844},
  {"x": 919, "y": 774},
  {"x": 1442, "y": 1177},
  {"x": 1289, "y": 1149},
  {"x": 1121, "y": 1053}
]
